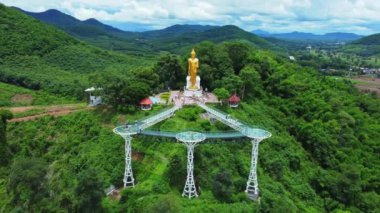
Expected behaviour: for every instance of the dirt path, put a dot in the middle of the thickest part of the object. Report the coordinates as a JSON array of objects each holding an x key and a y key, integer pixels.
[
  {"x": 27, "y": 113},
  {"x": 49, "y": 108}
]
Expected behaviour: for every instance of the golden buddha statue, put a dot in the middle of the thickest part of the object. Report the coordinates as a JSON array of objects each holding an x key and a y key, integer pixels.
[{"x": 193, "y": 69}]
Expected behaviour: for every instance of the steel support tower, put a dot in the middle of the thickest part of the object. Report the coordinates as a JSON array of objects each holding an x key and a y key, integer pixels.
[
  {"x": 252, "y": 188},
  {"x": 190, "y": 139},
  {"x": 128, "y": 180}
]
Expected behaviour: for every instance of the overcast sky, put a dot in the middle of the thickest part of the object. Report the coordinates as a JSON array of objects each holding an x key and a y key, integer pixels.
[{"x": 317, "y": 16}]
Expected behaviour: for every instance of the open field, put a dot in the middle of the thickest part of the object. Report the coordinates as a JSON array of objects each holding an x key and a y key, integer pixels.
[
  {"x": 363, "y": 83},
  {"x": 26, "y": 113},
  {"x": 367, "y": 84}
]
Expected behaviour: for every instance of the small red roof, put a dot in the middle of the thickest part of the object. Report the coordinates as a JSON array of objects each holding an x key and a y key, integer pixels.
[
  {"x": 234, "y": 98},
  {"x": 146, "y": 101}
]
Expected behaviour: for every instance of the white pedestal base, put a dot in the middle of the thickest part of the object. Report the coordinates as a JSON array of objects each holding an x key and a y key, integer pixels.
[
  {"x": 192, "y": 93},
  {"x": 197, "y": 83}
]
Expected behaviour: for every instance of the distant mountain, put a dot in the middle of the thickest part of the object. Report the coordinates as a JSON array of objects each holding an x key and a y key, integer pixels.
[
  {"x": 332, "y": 37},
  {"x": 369, "y": 40},
  {"x": 261, "y": 32},
  {"x": 176, "y": 30},
  {"x": 170, "y": 39},
  {"x": 89, "y": 27},
  {"x": 215, "y": 34}
]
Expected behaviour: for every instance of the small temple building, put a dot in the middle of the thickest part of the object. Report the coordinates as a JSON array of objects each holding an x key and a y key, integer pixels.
[
  {"x": 234, "y": 101},
  {"x": 94, "y": 98},
  {"x": 146, "y": 104}
]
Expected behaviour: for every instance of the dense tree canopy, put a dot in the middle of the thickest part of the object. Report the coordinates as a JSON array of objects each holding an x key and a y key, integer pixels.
[{"x": 171, "y": 73}]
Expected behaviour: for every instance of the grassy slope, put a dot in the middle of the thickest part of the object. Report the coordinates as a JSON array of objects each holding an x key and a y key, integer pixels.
[{"x": 8, "y": 91}]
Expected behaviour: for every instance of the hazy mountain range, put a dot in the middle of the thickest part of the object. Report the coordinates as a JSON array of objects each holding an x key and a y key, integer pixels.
[
  {"x": 335, "y": 36},
  {"x": 171, "y": 39},
  {"x": 95, "y": 27},
  {"x": 177, "y": 38}
]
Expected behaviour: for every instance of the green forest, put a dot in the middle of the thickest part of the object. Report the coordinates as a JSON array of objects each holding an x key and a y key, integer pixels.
[{"x": 323, "y": 155}]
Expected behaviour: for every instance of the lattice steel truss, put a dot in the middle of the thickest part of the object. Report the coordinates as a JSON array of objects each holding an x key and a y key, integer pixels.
[
  {"x": 252, "y": 183},
  {"x": 189, "y": 190},
  {"x": 128, "y": 180},
  {"x": 190, "y": 139}
]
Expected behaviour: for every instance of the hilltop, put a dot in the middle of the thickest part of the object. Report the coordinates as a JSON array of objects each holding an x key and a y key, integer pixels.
[
  {"x": 369, "y": 40},
  {"x": 87, "y": 27}
]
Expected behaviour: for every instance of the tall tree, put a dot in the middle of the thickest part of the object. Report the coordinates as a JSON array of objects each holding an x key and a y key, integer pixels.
[
  {"x": 27, "y": 182},
  {"x": 170, "y": 72},
  {"x": 177, "y": 171},
  {"x": 238, "y": 53},
  {"x": 251, "y": 81},
  {"x": 119, "y": 91},
  {"x": 223, "y": 187},
  {"x": 4, "y": 151},
  {"x": 222, "y": 94},
  {"x": 214, "y": 64},
  {"x": 89, "y": 192}
]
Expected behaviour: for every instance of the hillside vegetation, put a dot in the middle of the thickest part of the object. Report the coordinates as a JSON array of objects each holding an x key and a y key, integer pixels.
[
  {"x": 322, "y": 157},
  {"x": 38, "y": 56},
  {"x": 11, "y": 95},
  {"x": 366, "y": 46}
]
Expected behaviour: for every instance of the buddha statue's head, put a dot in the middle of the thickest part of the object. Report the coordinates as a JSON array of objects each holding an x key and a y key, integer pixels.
[{"x": 193, "y": 53}]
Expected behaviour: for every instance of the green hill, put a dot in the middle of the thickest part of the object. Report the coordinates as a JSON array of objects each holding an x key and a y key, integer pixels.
[
  {"x": 366, "y": 46},
  {"x": 175, "y": 30},
  {"x": 322, "y": 157},
  {"x": 37, "y": 55},
  {"x": 93, "y": 31},
  {"x": 183, "y": 42},
  {"x": 369, "y": 40}
]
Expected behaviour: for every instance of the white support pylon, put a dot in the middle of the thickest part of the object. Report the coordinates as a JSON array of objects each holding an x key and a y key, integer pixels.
[
  {"x": 190, "y": 139},
  {"x": 189, "y": 190},
  {"x": 128, "y": 180},
  {"x": 252, "y": 183}
]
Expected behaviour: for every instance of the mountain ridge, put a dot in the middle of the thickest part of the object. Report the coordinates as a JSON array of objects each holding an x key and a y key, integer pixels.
[
  {"x": 296, "y": 35},
  {"x": 148, "y": 42}
]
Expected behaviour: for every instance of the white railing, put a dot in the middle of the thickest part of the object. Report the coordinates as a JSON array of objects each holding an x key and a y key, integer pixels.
[
  {"x": 157, "y": 118},
  {"x": 224, "y": 118}
]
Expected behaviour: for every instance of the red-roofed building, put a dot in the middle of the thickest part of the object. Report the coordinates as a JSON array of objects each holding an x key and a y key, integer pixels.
[
  {"x": 146, "y": 104},
  {"x": 234, "y": 100}
]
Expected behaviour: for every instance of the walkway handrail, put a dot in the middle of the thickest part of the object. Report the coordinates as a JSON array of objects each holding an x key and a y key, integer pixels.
[
  {"x": 242, "y": 129},
  {"x": 209, "y": 135}
]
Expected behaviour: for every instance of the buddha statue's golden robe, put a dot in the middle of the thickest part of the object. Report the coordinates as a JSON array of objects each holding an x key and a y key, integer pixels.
[{"x": 193, "y": 69}]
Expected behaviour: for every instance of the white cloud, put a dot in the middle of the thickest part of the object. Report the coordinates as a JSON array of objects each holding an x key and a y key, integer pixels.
[{"x": 274, "y": 15}]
